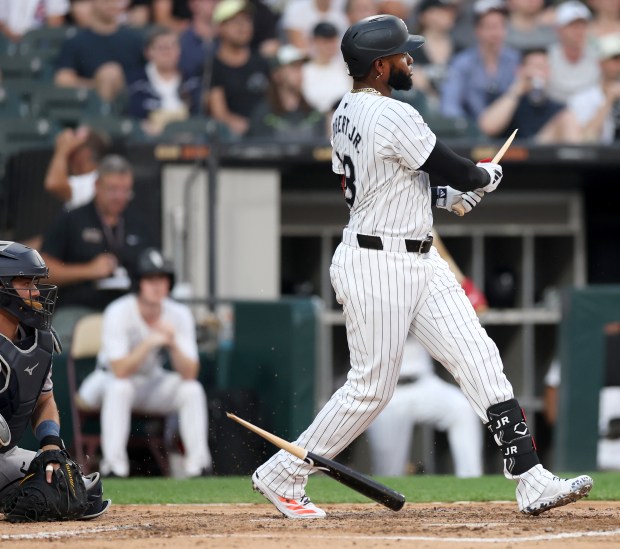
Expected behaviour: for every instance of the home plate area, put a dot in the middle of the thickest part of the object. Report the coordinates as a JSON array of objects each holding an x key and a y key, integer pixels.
[{"x": 436, "y": 525}]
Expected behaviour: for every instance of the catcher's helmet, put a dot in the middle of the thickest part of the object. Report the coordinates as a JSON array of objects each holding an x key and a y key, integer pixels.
[
  {"x": 17, "y": 260},
  {"x": 152, "y": 262},
  {"x": 374, "y": 37}
]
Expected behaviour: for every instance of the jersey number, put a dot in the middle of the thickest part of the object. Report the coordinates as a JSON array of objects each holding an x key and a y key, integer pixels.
[{"x": 348, "y": 180}]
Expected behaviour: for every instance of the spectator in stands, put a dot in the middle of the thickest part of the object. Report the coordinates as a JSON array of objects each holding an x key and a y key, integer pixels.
[
  {"x": 159, "y": 93},
  {"x": 527, "y": 106},
  {"x": 301, "y": 17},
  {"x": 398, "y": 8},
  {"x": 325, "y": 65},
  {"x": 91, "y": 251},
  {"x": 436, "y": 20},
  {"x": 240, "y": 75},
  {"x": 137, "y": 13},
  {"x": 356, "y": 10},
  {"x": 598, "y": 107},
  {"x": 198, "y": 39},
  {"x": 139, "y": 331},
  {"x": 526, "y": 29},
  {"x": 284, "y": 114},
  {"x": 266, "y": 34},
  {"x": 19, "y": 17},
  {"x": 72, "y": 172},
  {"x": 574, "y": 62},
  {"x": 606, "y": 19},
  {"x": 80, "y": 13},
  {"x": 175, "y": 14},
  {"x": 482, "y": 73},
  {"x": 102, "y": 55}
]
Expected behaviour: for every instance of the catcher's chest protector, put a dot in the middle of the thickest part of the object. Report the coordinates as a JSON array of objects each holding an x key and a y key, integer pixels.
[{"x": 30, "y": 367}]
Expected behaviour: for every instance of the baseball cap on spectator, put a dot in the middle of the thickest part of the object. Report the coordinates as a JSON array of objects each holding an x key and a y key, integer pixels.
[
  {"x": 287, "y": 55},
  {"x": 482, "y": 7},
  {"x": 568, "y": 12},
  {"x": 227, "y": 9},
  {"x": 429, "y": 4},
  {"x": 608, "y": 46},
  {"x": 325, "y": 29}
]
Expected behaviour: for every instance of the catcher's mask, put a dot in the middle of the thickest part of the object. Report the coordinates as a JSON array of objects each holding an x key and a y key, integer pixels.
[{"x": 32, "y": 306}]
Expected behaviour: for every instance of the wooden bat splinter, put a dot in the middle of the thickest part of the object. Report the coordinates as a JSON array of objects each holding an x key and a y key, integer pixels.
[{"x": 458, "y": 209}]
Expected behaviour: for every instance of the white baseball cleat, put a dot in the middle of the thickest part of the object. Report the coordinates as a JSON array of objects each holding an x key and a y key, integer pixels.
[
  {"x": 558, "y": 492},
  {"x": 301, "y": 508}
]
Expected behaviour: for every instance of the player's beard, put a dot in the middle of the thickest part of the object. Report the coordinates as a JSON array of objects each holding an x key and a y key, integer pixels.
[{"x": 400, "y": 80}]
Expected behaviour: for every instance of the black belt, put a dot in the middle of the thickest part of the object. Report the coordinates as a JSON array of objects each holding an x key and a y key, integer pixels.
[
  {"x": 406, "y": 380},
  {"x": 413, "y": 246}
]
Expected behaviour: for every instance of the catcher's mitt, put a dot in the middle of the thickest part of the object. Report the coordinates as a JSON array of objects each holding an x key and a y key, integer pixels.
[{"x": 35, "y": 500}]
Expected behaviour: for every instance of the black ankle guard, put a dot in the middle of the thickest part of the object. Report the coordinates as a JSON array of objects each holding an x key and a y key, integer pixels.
[{"x": 508, "y": 426}]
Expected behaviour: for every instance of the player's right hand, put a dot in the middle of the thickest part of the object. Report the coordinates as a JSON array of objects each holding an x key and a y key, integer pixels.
[{"x": 495, "y": 174}]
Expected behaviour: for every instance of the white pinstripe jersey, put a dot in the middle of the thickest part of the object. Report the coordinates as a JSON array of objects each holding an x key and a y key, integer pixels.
[{"x": 378, "y": 144}]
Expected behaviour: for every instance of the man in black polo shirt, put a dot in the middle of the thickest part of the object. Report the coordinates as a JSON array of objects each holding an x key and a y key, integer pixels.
[{"x": 91, "y": 251}]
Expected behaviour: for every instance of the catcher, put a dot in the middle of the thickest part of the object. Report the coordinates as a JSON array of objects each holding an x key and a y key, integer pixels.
[{"x": 46, "y": 485}]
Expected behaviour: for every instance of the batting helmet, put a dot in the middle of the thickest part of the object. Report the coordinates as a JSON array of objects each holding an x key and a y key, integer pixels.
[
  {"x": 374, "y": 37},
  {"x": 152, "y": 262},
  {"x": 19, "y": 261}
]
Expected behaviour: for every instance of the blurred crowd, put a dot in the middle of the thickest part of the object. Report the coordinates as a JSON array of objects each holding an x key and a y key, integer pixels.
[{"x": 273, "y": 68}]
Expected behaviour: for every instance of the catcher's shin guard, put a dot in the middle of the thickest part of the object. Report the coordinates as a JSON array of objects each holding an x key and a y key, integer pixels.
[{"x": 509, "y": 429}]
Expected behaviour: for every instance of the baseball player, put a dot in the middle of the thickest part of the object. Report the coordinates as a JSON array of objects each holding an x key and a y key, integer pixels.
[
  {"x": 27, "y": 345},
  {"x": 138, "y": 330},
  {"x": 391, "y": 281}
]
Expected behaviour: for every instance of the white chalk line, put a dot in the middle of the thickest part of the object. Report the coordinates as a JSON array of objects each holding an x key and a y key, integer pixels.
[
  {"x": 438, "y": 539},
  {"x": 72, "y": 533},
  {"x": 104, "y": 529}
]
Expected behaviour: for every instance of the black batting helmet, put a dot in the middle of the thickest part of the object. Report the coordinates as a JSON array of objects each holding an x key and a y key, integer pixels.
[
  {"x": 19, "y": 261},
  {"x": 374, "y": 37},
  {"x": 152, "y": 262}
]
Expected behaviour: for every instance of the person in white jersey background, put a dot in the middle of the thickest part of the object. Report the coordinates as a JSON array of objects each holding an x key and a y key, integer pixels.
[
  {"x": 138, "y": 330},
  {"x": 422, "y": 397},
  {"x": 391, "y": 281}
]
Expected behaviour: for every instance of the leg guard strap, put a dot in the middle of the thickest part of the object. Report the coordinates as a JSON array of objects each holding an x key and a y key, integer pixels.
[{"x": 509, "y": 428}]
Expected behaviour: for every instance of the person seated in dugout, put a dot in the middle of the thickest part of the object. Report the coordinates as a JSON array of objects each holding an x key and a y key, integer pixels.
[{"x": 139, "y": 330}]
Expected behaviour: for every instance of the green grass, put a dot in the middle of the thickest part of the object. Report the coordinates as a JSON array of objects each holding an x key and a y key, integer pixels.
[{"x": 322, "y": 489}]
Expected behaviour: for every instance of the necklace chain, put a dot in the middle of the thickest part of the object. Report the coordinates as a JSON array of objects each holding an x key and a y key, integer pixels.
[{"x": 366, "y": 90}]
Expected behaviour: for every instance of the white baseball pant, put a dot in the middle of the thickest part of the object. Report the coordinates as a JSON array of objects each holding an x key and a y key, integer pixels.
[
  {"x": 385, "y": 295},
  {"x": 163, "y": 393}
]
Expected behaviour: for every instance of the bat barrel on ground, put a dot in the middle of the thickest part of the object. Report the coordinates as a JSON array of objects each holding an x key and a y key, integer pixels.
[
  {"x": 458, "y": 209},
  {"x": 343, "y": 474}
]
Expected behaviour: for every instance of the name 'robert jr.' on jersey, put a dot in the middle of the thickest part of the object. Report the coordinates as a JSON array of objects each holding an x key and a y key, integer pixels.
[{"x": 386, "y": 192}]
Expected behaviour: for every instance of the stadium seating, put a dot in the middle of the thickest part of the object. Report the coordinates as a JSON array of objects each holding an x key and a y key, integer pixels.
[
  {"x": 117, "y": 127},
  {"x": 45, "y": 41},
  {"x": 20, "y": 69},
  {"x": 64, "y": 106}
]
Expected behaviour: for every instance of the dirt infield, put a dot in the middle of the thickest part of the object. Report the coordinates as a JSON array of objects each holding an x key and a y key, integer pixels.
[{"x": 434, "y": 526}]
